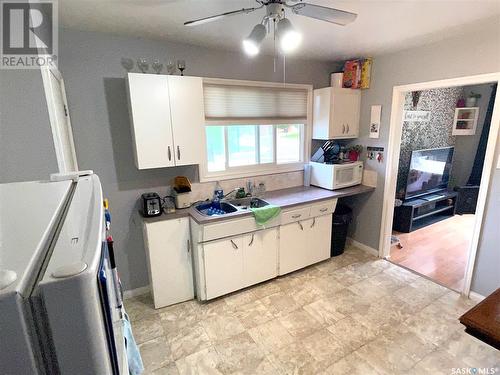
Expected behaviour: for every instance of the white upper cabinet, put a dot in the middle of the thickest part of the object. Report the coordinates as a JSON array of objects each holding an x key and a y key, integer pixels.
[
  {"x": 150, "y": 117},
  {"x": 336, "y": 113},
  {"x": 167, "y": 119},
  {"x": 186, "y": 108}
]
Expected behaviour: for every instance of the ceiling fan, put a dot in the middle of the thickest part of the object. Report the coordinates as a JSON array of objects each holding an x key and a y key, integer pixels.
[{"x": 275, "y": 20}]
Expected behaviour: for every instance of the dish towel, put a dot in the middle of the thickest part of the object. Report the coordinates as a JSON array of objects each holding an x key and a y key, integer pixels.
[
  {"x": 266, "y": 213},
  {"x": 135, "y": 365}
]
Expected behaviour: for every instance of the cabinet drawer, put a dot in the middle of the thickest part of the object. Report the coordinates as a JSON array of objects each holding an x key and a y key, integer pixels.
[
  {"x": 234, "y": 227},
  {"x": 324, "y": 208},
  {"x": 297, "y": 214}
]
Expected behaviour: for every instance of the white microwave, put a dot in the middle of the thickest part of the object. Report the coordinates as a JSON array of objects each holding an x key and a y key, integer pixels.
[{"x": 336, "y": 176}]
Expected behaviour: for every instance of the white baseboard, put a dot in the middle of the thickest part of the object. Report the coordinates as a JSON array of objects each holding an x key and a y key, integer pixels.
[
  {"x": 362, "y": 246},
  {"x": 476, "y": 296},
  {"x": 136, "y": 292}
]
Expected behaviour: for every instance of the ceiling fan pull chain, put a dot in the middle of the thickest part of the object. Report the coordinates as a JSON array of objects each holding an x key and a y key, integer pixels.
[{"x": 274, "y": 41}]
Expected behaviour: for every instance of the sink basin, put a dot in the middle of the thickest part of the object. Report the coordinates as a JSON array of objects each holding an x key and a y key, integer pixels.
[
  {"x": 208, "y": 209},
  {"x": 247, "y": 203}
]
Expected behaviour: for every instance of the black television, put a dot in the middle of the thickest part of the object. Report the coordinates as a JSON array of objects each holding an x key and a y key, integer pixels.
[{"x": 429, "y": 171}]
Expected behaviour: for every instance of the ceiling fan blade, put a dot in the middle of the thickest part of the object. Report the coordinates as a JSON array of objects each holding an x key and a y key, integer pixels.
[
  {"x": 337, "y": 16},
  {"x": 219, "y": 16}
]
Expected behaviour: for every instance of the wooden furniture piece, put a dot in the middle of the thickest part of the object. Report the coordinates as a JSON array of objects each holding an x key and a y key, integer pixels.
[
  {"x": 465, "y": 121},
  {"x": 167, "y": 116},
  {"x": 419, "y": 212},
  {"x": 168, "y": 252},
  {"x": 336, "y": 113},
  {"x": 483, "y": 320}
]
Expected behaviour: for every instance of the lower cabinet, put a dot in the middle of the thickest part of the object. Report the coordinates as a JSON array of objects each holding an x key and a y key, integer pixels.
[
  {"x": 223, "y": 266},
  {"x": 237, "y": 262},
  {"x": 168, "y": 250},
  {"x": 260, "y": 256},
  {"x": 303, "y": 243},
  {"x": 319, "y": 234}
]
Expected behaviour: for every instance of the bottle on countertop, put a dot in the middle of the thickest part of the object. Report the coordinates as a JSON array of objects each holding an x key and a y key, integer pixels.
[{"x": 218, "y": 194}]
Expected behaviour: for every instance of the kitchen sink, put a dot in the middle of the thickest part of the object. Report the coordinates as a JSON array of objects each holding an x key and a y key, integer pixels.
[
  {"x": 209, "y": 209},
  {"x": 247, "y": 203},
  {"x": 227, "y": 207}
]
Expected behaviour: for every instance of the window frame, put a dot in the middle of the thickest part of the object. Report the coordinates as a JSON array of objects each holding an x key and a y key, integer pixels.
[{"x": 267, "y": 168}]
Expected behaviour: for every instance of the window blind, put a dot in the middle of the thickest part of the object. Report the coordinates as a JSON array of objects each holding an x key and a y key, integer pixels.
[{"x": 233, "y": 102}]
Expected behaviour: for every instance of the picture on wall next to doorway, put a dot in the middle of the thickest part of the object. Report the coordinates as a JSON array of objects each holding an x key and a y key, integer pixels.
[{"x": 376, "y": 113}]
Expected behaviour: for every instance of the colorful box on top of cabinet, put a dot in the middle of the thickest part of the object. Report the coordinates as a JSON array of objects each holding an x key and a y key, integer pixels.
[{"x": 357, "y": 73}]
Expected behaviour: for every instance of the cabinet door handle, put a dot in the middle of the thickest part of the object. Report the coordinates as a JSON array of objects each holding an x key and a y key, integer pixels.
[
  {"x": 343, "y": 128},
  {"x": 300, "y": 225},
  {"x": 251, "y": 241},
  {"x": 323, "y": 209},
  {"x": 189, "y": 246},
  {"x": 178, "y": 153},
  {"x": 169, "y": 154},
  {"x": 234, "y": 245},
  {"x": 313, "y": 223},
  {"x": 296, "y": 216},
  {"x": 347, "y": 128}
]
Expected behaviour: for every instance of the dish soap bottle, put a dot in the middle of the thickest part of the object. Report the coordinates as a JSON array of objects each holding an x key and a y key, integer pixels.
[{"x": 218, "y": 194}]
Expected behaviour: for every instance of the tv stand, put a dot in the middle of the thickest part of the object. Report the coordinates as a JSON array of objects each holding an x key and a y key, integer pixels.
[{"x": 416, "y": 213}]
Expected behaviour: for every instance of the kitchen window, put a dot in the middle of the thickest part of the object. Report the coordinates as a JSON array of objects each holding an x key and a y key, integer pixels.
[
  {"x": 254, "y": 129},
  {"x": 234, "y": 147}
]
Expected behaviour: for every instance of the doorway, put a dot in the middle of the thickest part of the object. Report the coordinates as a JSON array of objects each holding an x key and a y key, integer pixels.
[{"x": 436, "y": 241}]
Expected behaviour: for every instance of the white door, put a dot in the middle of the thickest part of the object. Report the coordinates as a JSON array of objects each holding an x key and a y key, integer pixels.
[
  {"x": 151, "y": 122},
  {"x": 170, "y": 261},
  {"x": 223, "y": 266},
  {"x": 292, "y": 247},
  {"x": 60, "y": 123},
  {"x": 260, "y": 256},
  {"x": 188, "y": 116},
  {"x": 319, "y": 234}
]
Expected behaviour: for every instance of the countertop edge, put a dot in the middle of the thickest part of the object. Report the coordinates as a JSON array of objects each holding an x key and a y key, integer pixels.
[{"x": 272, "y": 197}]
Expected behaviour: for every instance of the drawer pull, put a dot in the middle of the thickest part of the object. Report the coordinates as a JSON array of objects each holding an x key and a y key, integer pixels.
[
  {"x": 323, "y": 209},
  {"x": 300, "y": 225},
  {"x": 178, "y": 153},
  {"x": 313, "y": 223},
  {"x": 234, "y": 245},
  {"x": 251, "y": 241},
  {"x": 296, "y": 216},
  {"x": 169, "y": 154}
]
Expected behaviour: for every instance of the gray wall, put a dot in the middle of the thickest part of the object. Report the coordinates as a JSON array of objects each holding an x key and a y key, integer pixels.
[
  {"x": 26, "y": 146},
  {"x": 466, "y": 146},
  {"x": 444, "y": 59},
  {"x": 95, "y": 85}
]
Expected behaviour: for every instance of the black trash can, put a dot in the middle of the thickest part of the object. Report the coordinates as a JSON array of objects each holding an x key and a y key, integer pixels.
[{"x": 342, "y": 217}]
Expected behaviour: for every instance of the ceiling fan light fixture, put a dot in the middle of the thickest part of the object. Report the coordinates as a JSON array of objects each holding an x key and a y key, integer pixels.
[
  {"x": 289, "y": 38},
  {"x": 251, "y": 44}
]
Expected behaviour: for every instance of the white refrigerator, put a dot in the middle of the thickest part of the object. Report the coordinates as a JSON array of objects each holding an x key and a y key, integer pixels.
[{"x": 60, "y": 306}]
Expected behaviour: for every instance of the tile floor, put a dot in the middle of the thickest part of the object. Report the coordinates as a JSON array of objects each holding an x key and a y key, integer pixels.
[{"x": 352, "y": 314}]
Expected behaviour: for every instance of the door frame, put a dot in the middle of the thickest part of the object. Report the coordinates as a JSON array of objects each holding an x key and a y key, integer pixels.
[
  {"x": 60, "y": 142},
  {"x": 392, "y": 157}
]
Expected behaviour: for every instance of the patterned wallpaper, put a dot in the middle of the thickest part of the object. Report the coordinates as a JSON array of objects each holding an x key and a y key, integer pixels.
[{"x": 432, "y": 134}]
